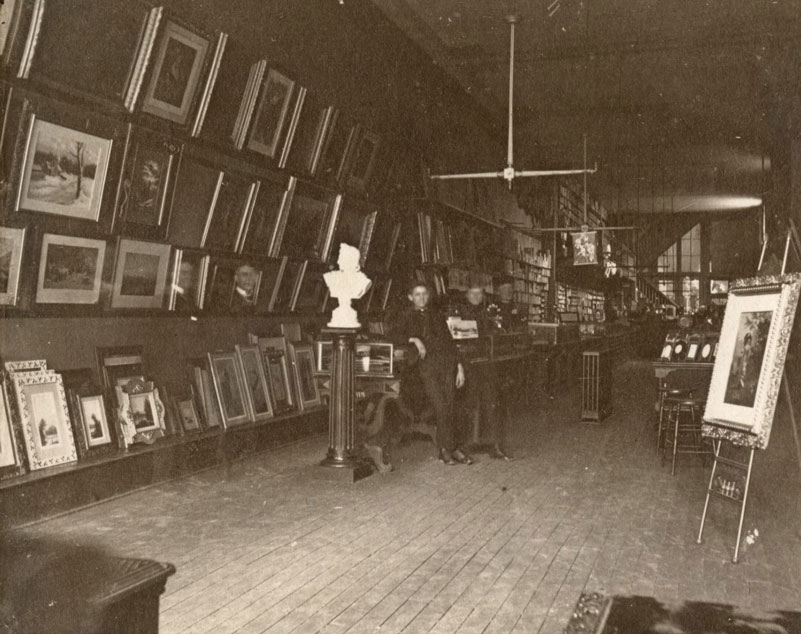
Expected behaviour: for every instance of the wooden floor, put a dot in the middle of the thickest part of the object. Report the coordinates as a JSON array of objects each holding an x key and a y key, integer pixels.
[{"x": 495, "y": 547}]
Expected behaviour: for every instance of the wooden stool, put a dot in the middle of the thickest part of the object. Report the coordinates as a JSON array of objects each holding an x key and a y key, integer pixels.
[
  {"x": 664, "y": 392},
  {"x": 681, "y": 426}
]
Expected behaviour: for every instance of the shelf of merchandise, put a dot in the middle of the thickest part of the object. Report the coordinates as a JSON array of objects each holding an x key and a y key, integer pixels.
[
  {"x": 529, "y": 267},
  {"x": 586, "y": 303}
]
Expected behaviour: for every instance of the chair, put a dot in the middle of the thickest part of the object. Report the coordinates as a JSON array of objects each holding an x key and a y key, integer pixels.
[
  {"x": 684, "y": 417},
  {"x": 679, "y": 384}
]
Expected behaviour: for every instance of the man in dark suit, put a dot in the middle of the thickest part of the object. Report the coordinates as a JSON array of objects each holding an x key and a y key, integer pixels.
[
  {"x": 439, "y": 368},
  {"x": 481, "y": 384}
]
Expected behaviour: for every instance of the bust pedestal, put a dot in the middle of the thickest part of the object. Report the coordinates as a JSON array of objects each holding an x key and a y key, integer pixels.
[{"x": 341, "y": 461}]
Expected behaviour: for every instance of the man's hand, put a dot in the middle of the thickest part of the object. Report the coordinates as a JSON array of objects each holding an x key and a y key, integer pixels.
[
  {"x": 459, "y": 376},
  {"x": 421, "y": 348}
]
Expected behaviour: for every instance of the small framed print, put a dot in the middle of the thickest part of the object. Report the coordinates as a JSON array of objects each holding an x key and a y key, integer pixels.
[
  {"x": 257, "y": 387},
  {"x": 302, "y": 360},
  {"x": 262, "y": 223},
  {"x": 271, "y": 114},
  {"x": 383, "y": 240},
  {"x": 93, "y": 433},
  {"x": 70, "y": 270},
  {"x": 119, "y": 365},
  {"x": 274, "y": 352},
  {"x": 337, "y": 146},
  {"x": 64, "y": 171},
  {"x": 229, "y": 387},
  {"x": 247, "y": 285},
  {"x": 227, "y": 216},
  {"x": 190, "y": 420},
  {"x": 140, "y": 412},
  {"x": 221, "y": 286},
  {"x": 140, "y": 274},
  {"x": 146, "y": 187},
  {"x": 190, "y": 270},
  {"x": 44, "y": 417},
  {"x": 12, "y": 241},
  {"x": 177, "y": 71},
  {"x": 364, "y": 158},
  {"x": 718, "y": 287}
]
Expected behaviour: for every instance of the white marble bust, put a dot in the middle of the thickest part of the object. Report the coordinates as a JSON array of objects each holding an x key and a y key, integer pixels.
[{"x": 345, "y": 285}]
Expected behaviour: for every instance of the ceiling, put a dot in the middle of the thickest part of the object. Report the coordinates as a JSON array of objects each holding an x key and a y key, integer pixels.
[{"x": 685, "y": 102}]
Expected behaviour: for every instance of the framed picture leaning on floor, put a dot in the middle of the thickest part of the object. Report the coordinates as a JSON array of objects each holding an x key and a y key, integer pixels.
[{"x": 749, "y": 365}]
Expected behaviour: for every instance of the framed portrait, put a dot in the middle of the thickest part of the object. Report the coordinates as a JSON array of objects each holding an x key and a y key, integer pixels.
[
  {"x": 262, "y": 224},
  {"x": 70, "y": 270},
  {"x": 229, "y": 386},
  {"x": 274, "y": 354},
  {"x": 44, "y": 418},
  {"x": 313, "y": 291},
  {"x": 177, "y": 71},
  {"x": 64, "y": 171},
  {"x": 93, "y": 433},
  {"x": 227, "y": 215},
  {"x": 190, "y": 270},
  {"x": 271, "y": 273},
  {"x": 140, "y": 274},
  {"x": 750, "y": 360},
  {"x": 10, "y": 456},
  {"x": 270, "y": 116},
  {"x": 302, "y": 361},
  {"x": 146, "y": 187},
  {"x": 288, "y": 286},
  {"x": 196, "y": 189},
  {"x": 355, "y": 227},
  {"x": 12, "y": 242},
  {"x": 257, "y": 387},
  {"x": 364, "y": 158},
  {"x": 119, "y": 365},
  {"x": 307, "y": 229},
  {"x": 247, "y": 284},
  {"x": 383, "y": 241}
]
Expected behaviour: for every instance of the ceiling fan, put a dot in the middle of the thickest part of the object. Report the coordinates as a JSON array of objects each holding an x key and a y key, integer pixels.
[{"x": 509, "y": 173}]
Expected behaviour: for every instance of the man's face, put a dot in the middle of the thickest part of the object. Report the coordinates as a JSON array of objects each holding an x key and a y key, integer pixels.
[
  {"x": 419, "y": 296},
  {"x": 475, "y": 296},
  {"x": 246, "y": 278}
]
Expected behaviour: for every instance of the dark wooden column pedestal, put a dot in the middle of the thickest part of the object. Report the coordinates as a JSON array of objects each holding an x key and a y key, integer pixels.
[{"x": 342, "y": 461}]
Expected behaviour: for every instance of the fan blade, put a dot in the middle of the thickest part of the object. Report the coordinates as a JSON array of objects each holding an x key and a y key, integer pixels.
[
  {"x": 526, "y": 173},
  {"x": 446, "y": 177}
]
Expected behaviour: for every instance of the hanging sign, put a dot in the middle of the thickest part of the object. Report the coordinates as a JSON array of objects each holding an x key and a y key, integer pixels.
[{"x": 585, "y": 248}]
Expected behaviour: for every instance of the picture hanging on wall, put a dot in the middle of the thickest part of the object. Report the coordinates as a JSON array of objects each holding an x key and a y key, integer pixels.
[
  {"x": 355, "y": 227},
  {"x": 364, "y": 159},
  {"x": 196, "y": 189},
  {"x": 272, "y": 271},
  {"x": 336, "y": 149},
  {"x": 190, "y": 270},
  {"x": 287, "y": 290},
  {"x": 270, "y": 114},
  {"x": 70, "y": 270},
  {"x": 12, "y": 241},
  {"x": 750, "y": 360},
  {"x": 44, "y": 418},
  {"x": 307, "y": 140},
  {"x": 227, "y": 215},
  {"x": 64, "y": 171},
  {"x": 307, "y": 229},
  {"x": 229, "y": 387},
  {"x": 177, "y": 72},
  {"x": 262, "y": 222},
  {"x": 147, "y": 185},
  {"x": 313, "y": 292},
  {"x": 140, "y": 274}
]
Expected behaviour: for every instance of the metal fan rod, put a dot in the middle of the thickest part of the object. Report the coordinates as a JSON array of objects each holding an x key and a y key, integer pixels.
[
  {"x": 445, "y": 177},
  {"x": 510, "y": 145},
  {"x": 524, "y": 173}
]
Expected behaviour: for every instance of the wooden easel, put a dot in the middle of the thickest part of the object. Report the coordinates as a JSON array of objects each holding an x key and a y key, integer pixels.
[{"x": 712, "y": 489}]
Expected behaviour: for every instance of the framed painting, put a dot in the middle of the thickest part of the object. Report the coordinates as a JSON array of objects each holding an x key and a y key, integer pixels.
[
  {"x": 10, "y": 450},
  {"x": 307, "y": 140},
  {"x": 260, "y": 232},
  {"x": 274, "y": 353},
  {"x": 44, "y": 418},
  {"x": 272, "y": 272},
  {"x": 118, "y": 365},
  {"x": 292, "y": 331},
  {"x": 177, "y": 71},
  {"x": 336, "y": 148},
  {"x": 140, "y": 274},
  {"x": 288, "y": 285},
  {"x": 270, "y": 116},
  {"x": 70, "y": 270},
  {"x": 190, "y": 270},
  {"x": 247, "y": 283},
  {"x": 225, "y": 224},
  {"x": 12, "y": 242},
  {"x": 140, "y": 413},
  {"x": 355, "y": 227},
  {"x": 257, "y": 388},
  {"x": 383, "y": 241},
  {"x": 718, "y": 287},
  {"x": 63, "y": 171},
  {"x": 750, "y": 360},
  {"x": 313, "y": 291},
  {"x": 307, "y": 229},
  {"x": 196, "y": 189},
  {"x": 229, "y": 386},
  {"x": 189, "y": 417},
  {"x": 221, "y": 286},
  {"x": 364, "y": 158},
  {"x": 146, "y": 187},
  {"x": 585, "y": 247},
  {"x": 93, "y": 433},
  {"x": 302, "y": 361}
]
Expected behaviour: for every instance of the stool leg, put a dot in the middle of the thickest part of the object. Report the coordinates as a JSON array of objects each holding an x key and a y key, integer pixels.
[
  {"x": 675, "y": 440},
  {"x": 661, "y": 422}
]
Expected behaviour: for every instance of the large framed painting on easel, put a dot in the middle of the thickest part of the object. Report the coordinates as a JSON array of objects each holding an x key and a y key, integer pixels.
[{"x": 750, "y": 362}]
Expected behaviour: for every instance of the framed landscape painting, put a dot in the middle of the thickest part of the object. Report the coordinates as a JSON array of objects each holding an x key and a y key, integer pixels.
[
  {"x": 271, "y": 113},
  {"x": 12, "y": 241},
  {"x": 140, "y": 274},
  {"x": 70, "y": 270},
  {"x": 750, "y": 361},
  {"x": 93, "y": 432},
  {"x": 63, "y": 172},
  {"x": 177, "y": 70}
]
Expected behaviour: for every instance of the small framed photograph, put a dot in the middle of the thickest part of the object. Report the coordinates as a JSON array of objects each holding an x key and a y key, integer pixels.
[
  {"x": 364, "y": 158},
  {"x": 177, "y": 71},
  {"x": 12, "y": 242},
  {"x": 146, "y": 187},
  {"x": 307, "y": 228},
  {"x": 44, "y": 417},
  {"x": 70, "y": 270},
  {"x": 302, "y": 360},
  {"x": 274, "y": 353},
  {"x": 375, "y": 359},
  {"x": 221, "y": 286},
  {"x": 270, "y": 115},
  {"x": 140, "y": 413},
  {"x": 247, "y": 285},
  {"x": 190, "y": 270},
  {"x": 64, "y": 171},
  {"x": 140, "y": 274},
  {"x": 143, "y": 411},
  {"x": 229, "y": 386},
  {"x": 190, "y": 420},
  {"x": 196, "y": 189},
  {"x": 226, "y": 223},
  {"x": 93, "y": 434},
  {"x": 749, "y": 366},
  {"x": 257, "y": 387}
]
